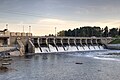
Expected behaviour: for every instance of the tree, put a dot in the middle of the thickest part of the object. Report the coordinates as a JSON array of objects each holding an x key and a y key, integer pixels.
[
  {"x": 50, "y": 35},
  {"x": 96, "y": 31},
  {"x": 61, "y": 33},
  {"x": 119, "y": 31},
  {"x": 113, "y": 32},
  {"x": 69, "y": 32},
  {"x": 105, "y": 33},
  {"x": 87, "y": 31}
]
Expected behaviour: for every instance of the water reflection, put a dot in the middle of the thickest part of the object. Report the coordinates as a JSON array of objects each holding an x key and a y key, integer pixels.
[{"x": 44, "y": 56}]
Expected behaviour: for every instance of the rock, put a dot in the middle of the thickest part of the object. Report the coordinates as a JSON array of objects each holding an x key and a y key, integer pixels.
[
  {"x": 6, "y": 63},
  {"x": 7, "y": 59},
  {"x": 99, "y": 70},
  {"x": 3, "y": 68},
  {"x": 78, "y": 63}
]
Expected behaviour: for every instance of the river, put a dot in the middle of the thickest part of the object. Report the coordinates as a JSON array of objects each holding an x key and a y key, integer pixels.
[{"x": 84, "y": 65}]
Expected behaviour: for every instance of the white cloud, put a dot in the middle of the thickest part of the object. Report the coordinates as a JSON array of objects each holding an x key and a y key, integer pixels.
[{"x": 49, "y": 21}]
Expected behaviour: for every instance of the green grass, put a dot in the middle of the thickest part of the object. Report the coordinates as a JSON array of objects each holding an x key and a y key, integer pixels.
[{"x": 117, "y": 41}]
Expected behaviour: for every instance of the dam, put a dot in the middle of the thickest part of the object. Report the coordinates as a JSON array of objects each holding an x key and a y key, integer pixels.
[
  {"x": 26, "y": 43},
  {"x": 67, "y": 44}
]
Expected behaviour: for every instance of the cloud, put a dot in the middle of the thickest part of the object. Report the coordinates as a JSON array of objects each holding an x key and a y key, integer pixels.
[
  {"x": 67, "y": 24},
  {"x": 62, "y": 24},
  {"x": 50, "y": 21},
  {"x": 47, "y": 26},
  {"x": 95, "y": 12}
]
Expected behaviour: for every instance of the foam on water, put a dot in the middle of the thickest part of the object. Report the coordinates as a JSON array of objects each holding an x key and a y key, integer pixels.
[
  {"x": 60, "y": 48},
  {"x": 97, "y": 48},
  {"x": 72, "y": 48},
  {"x": 90, "y": 51},
  {"x": 110, "y": 59},
  {"x": 37, "y": 50},
  {"x": 86, "y": 48},
  {"x": 80, "y": 48},
  {"x": 92, "y": 48},
  {"x": 68, "y": 48},
  {"x": 101, "y": 47},
  {"x": 45, "y": 49},
  {"x": 52, "y": 48}
]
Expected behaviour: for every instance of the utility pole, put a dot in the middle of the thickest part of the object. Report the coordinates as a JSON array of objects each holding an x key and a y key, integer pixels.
[
  {"x": 23, "y": 28},
  {"x": 55, "y": 32},
  {"x": 29, "y": 29}
]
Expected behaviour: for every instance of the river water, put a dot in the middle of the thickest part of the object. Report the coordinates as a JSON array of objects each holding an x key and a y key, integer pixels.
[{"x": 84, "y": 65}]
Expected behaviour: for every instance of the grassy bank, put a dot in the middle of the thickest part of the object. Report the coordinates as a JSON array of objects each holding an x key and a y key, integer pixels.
[{"x": 117, "y": 41}]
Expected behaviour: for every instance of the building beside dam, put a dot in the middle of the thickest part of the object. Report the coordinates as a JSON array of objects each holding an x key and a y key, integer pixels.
[
  {"x": 8, "y": 40},
  {"x": 27, "y": 43},
  {"x": 7, "y": 37}
]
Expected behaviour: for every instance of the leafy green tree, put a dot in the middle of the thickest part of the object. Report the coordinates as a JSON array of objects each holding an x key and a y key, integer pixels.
[
  {"x": 61, "y": 33},
  {"x": 113, "y": 32},
  {"x": 69, "y": 32},
  {"x": 96, "y": 31},
  {"x": 88, "y": 31}
]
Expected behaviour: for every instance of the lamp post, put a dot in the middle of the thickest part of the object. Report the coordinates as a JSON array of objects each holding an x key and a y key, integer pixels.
[{"x": 23, "y": 28}]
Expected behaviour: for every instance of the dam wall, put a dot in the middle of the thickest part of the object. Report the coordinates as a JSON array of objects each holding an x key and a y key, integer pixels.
[{"x": 26, "y": 43}]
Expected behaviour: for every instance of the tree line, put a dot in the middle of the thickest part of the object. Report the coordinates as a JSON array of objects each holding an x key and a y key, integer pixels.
[{"x": 89, "y": 31}]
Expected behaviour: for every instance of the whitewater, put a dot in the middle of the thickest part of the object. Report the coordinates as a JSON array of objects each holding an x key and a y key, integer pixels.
[{"x": 52, "y": 49}]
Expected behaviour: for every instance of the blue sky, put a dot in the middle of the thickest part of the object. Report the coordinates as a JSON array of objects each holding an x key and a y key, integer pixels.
[{"x": 45, "y": 15}]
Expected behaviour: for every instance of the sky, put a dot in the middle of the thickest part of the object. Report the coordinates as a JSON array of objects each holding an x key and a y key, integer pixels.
[{"x": 44, "y": 15}]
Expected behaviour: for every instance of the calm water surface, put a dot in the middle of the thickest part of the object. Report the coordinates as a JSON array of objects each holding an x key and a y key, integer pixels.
[{"x": 96, "y": 65}]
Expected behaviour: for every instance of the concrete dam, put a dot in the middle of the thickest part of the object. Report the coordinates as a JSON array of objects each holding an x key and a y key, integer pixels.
[
  {"x": 26, "y": 43},
  {"x": 68, "y": 44}
]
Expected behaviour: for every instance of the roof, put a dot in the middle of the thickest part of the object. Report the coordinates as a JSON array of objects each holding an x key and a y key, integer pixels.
[{"x": 3, "y": 30}]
